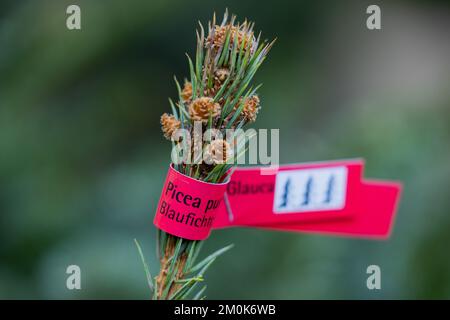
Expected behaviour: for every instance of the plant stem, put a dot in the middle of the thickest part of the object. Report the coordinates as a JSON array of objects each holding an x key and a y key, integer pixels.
[
  {"x": 179, "y": 274},
  {"x": 162, "y": 282}
]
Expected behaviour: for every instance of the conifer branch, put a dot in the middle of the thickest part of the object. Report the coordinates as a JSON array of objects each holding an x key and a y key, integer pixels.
[{"x": 220, "y": 95}]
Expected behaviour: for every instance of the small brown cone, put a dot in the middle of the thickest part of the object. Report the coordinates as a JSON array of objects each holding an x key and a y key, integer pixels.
[
  {"x": 201, "y": 108},
  {"x": 220, "y": 33},
  {"x": 218, "y": 152},
  {"x": 186, "y": 93},
  {"x": 169, "y": 125},
  {"x": 251, "y": 108},
  {"x": 219, "y": 78}
]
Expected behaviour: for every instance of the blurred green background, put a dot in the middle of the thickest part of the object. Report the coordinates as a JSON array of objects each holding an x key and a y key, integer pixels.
[{"x": 82, "y": 158}]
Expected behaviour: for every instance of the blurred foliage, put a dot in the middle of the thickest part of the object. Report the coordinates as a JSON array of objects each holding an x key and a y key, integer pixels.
[{"x": 82, "y": 158}]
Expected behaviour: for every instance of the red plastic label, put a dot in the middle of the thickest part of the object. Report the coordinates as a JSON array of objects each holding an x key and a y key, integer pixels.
[
  {"x": 187, "y": 207},
  {"x": 297, "y": 193},
  {"x": 324, "y": 197},
  {"x": 313, "y": 201}
]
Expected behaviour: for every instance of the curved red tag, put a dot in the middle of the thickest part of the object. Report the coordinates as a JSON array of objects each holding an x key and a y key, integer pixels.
[{"x": 187, "y": 207}]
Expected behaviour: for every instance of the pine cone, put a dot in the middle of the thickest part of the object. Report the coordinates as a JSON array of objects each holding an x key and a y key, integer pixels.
[
  {"x": 221, "y": 75},
  {"x": 169, "y": 125},
  {"x": 218, "y": 152},
  {"x": 186, "y": 93},
  {"x": 201, "y": 108},
  {"x": 219, "y": 78},
  {"x": 251, "y": 108},
  {"x": 220, "y": 32},
  {"x": 219, "y": 37}
]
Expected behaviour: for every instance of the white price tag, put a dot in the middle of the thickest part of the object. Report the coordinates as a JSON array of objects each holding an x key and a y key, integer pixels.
[{"x": 307, "y": 190}]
